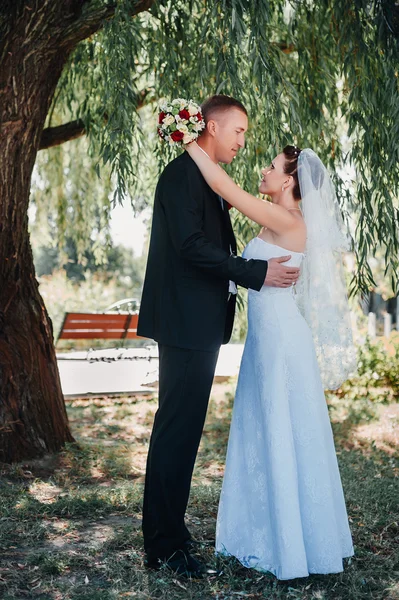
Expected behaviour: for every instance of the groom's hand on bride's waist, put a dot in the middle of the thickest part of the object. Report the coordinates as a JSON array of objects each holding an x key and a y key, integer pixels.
[{"x": 279, "y": 275}]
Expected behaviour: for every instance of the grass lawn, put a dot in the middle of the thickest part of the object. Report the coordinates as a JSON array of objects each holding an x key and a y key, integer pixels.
[{"x": 70, "y": 524}]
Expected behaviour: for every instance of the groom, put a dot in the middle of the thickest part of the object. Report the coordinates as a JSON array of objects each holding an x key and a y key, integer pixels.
[{"x": 188, "y": 306}]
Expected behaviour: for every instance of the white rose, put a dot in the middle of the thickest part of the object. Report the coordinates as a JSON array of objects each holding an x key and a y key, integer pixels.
[
  {"x": 168, "y": 120},
  {"x": 192, "y": 109},
  {"x": 182, "y": 127}
]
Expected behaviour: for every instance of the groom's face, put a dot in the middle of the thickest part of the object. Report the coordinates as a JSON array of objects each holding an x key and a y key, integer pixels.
[{"x": 228, "y": 129}]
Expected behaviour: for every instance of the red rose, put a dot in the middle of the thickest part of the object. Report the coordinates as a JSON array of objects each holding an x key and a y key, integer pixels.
[
  {"x": 177, "y": 136},
  {"x": 184, "y": 114},
  {"x": 199, "y": 116},
  {"x": 162, "y": 115}
]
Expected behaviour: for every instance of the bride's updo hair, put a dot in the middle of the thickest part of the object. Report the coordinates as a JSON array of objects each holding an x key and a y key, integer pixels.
[{"x": 291, "y": 154}]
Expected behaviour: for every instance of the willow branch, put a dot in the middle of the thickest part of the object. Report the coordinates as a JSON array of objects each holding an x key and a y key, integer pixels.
[
  {"x": 55, "y": 136},
  {"x": 92, "y": 20}
]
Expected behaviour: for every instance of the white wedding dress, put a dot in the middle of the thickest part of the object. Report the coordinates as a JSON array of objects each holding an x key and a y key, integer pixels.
[{"x": 282, "y": 507}]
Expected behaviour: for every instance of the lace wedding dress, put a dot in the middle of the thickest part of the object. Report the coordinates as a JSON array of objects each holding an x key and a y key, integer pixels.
[{"x": 282, "y": 507}]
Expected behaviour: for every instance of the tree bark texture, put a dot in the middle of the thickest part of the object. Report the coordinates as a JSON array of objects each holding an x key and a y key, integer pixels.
[
  {"x": 33, "y": 419},
  {"x": 36, "y": 39}
]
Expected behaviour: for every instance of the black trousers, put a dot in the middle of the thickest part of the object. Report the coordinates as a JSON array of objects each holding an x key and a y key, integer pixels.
[{"x": 185, "y": 381}]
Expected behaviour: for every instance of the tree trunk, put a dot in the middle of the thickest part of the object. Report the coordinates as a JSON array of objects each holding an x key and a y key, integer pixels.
[{"x": 33, "y": 418}]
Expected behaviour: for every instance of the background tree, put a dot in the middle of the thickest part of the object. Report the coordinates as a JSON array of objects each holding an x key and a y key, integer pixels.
[
  {"x": 119, "y": 262},
  {"x": 320, "y": 74}
]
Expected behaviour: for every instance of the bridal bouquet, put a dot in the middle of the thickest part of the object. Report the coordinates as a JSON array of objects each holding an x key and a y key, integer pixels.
[{"x": 180, "y": 121}]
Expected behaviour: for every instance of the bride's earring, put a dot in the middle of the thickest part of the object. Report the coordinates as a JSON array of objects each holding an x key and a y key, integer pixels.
[{"x": 282, "y": 188}]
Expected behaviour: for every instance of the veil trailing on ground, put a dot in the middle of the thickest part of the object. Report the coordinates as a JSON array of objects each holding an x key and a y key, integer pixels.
[{"x": 321, "y": 289}]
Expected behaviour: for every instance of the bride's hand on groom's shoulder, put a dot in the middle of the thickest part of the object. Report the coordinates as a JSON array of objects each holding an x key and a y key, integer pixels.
[
  {"x": 191, "y": 145},
  {"x": 278, "y": 275}
]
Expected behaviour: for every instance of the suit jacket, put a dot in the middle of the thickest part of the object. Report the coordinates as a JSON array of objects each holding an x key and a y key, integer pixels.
[{"x": 185, "y": 300}]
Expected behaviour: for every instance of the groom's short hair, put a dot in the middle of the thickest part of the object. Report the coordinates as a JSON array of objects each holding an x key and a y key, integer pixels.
[{"x": 219, "y": 104}]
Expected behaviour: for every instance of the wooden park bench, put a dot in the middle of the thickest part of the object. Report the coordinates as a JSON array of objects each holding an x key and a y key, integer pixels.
[{"x": 113, "y": 323}]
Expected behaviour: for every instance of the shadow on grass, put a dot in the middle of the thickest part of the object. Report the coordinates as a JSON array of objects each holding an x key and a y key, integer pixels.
[{"x": 71, "y": 524}]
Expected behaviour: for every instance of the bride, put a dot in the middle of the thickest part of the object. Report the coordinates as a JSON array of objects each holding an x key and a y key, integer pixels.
[{"x": 282, "y": 507}]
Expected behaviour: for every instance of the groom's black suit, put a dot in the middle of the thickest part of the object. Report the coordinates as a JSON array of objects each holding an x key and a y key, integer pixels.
[{"x": 187, "y": 309}]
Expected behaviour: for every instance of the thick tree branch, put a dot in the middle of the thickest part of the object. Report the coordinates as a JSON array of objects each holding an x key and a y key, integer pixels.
[
  {"x": 286, "y": 48},
  {"x": 55, "y": 136},
  {"x": 92, "y": 20}
]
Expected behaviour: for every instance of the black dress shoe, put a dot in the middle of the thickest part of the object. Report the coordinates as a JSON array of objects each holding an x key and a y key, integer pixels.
[
  {"x": 191, "y": 545},
  {"x": 181, "y": 562}
]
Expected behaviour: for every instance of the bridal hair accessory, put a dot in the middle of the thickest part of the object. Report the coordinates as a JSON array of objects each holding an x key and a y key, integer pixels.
[
  {"x": 180, "y": 121},
  {"x": 321, "y": 288}
]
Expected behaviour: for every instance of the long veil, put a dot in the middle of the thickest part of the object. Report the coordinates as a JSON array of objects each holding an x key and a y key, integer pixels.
[{"x": 321, "y": 290}]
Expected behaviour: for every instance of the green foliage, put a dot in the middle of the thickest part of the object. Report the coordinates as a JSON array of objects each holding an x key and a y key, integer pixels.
[
  {"x": 70, "y": 200},
  {"x": 319, "y": 74},
  {"x": 377, "y": 379},
  {"x": 379, "y": 365},
  {"x": 118, "y": 262}
]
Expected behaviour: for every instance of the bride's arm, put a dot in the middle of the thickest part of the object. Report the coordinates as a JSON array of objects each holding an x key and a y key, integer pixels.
[{"x": 268, "y": 215}]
